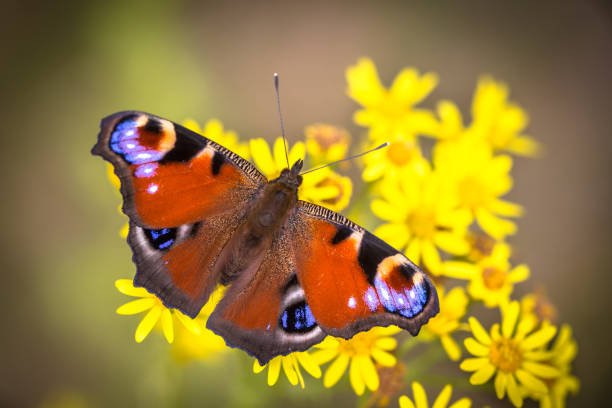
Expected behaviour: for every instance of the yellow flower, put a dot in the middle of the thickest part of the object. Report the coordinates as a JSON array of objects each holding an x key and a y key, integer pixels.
[
  {"x": 498, "y": 121},
  {"x": 112, "y": 177},
  {"x": 394, "y": 161},
  {"x": 359, "y": 352},
  {"x": 539, "y": 305},
  {"x": 322, "y": 187},
  {"x": 291, "y": 366},
  {"x": 326, "y": 143},
  {"x": 422, "y": 216},
  {"x": 450, "y": 127},
  {"x": 213, "y": 129},
  {"x": 491, "y": 278},
  {"x": 420, "y": 398},
  {"x": 513, "y": 353},
  {"x": 479, "y": 179},
  {"x": 452, "y": 308},
  {"x": 390, "y": 113},
  {"x": 156, "y": 312}
]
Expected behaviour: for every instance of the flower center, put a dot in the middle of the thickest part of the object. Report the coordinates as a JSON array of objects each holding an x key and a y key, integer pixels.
[
  {"x": 494, "y": 278},
  {"x": 401, "y": 153},
  {"x": 506, "y": 355},
  {"x": 422, "y": 222},
  {"x": 471, "y": 191}
]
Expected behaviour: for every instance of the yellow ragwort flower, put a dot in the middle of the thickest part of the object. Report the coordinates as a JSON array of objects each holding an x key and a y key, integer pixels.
[
  {"x": 401, "y": 157},
  {"x": 453, "y": 306},
  {"x": 213, "y": 129},
  {"x": 291, "y": 366},
  {"x": 326, "y": 143},
  {"x": 512, "y": 353},
  {"x": 422, "y": 216},
  {"x": 322, "y": 187},
  {"x": 491, "y": 278},
  {"x": 389, "y": 113},
  {"x": 420, "y": 398},
  {"x": 479, "y": 179},
  {"x": 539, "y": 305},
  {"x": 359, "y": 352},
  {"x": 156, "y": 312},
  {"x": 498, "y": 121}
]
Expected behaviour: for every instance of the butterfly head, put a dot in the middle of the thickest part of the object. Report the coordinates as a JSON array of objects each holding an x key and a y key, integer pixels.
[{"x": 291, "y": 177}]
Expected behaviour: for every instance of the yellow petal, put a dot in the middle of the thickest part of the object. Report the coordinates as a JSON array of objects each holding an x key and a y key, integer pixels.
[
  {"x": 405, "y": 402},
  {"x": 274, "y": 367},
  {"x": 147, "y": 323},
  {"x": 262, "y": 157},
  {"x": 479, "y": 332},
  {"x": 459, "y": 270},
  {"x": 444, "y": 397},
  {"x": 309, "y": 364},
  {"x": 386, "y": 343},
  {"x": 519, "y": 274},
  {"x": 452, "y": 243},
  {"x": 368, "y": 372},
  {"x": 541, "y": 370},
  {"x": 462, "y": 403},
  {"x": 297, "y": 152},
  {"x": 431, "y": 256},
  {"x": 451, "y": 347},
  {"x": 167, "y": 326},
  {"x": 514, "y": 393},
  {"x": 483, "y": 374},
  {"x": 413, "y": 252},
  {"x": 298, "y": 372},
  {"x": 530, "y": 382},
  {"x": 501, "y": 379},
  {"x": 420, "y": 398},
  {"x": 355, "y": 377},
  {"x": 126, "y": 286},
  {"x": 193, "y": 325},
  {"x": 497, "y": 227},
  {"x": 383, "y": 358},
  {"x": 510, "y": 314},
  {"x": 525, "y": 145},
  {"x": 325, "y": 355},
  {"x": 136, "y": 306},
  {"x": 539, "y": 338},
  {"x": 335, "y": 370},
  {"x": 289, "y": 369},
  {"x": 475, "y": 348},
  {"x": 278, "y": 152},
  {"x": 395, "y": 235},
  {"x": 506, "y": 208},
  {"x": 474, "y": 364},
  {"x": 387, "y": 211},
  {"x": 257, "y": 368}
]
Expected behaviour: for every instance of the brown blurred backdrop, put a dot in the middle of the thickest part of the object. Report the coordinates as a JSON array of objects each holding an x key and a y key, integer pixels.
[{"x": 65, "y": 65}]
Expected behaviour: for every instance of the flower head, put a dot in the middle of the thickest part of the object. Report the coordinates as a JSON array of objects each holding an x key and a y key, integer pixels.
[
  {"x": 390, "y": 113},
  {"x": 291, "y": 366},
  {"x": 452, "y": 308},
  {"x": 400, "y": 158},
  {"x": 513, "y": 353},
  {"x": 326, "y": 143},
  {"x": 421, "y": 216},
  {"x": 420, "y": 398},
  {"x": 479, "y": 179},
  {"x": 491, "y": 278},
  {"x": 359, "y": 352},
  {"x": 213, "y": 129}
]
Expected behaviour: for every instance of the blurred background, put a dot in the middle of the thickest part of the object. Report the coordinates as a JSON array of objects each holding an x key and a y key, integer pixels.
[{"x": 65, "y": 65}]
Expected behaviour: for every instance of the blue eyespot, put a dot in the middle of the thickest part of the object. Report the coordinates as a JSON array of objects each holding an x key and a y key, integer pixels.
[
  {"x": 160, "y": 238},
  {"x": 298, "y": 318}
]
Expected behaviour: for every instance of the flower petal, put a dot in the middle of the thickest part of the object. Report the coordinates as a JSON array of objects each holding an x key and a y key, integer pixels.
[
  {"x": 355, "y": 377},
  {"x": 167, "y": 326},
  {"x": 452, "y": 243},
  {"x": 451, "y": 347},
  {"x": 383, "y": 358},
  {"x": 395, "y": 235},
  {"x": 387, "y": 211},
  {"x": 539, "y": 338},
  {"x": 136, "y": 306},
  {"x": 274, "y": 367},
  {"x": 260, "y": 151},
  {"x": 368, "y": 372},
  {"x": 510, "y": 315},
  {"x": 297, "y": 152},
  {"x": 335, "y": 370},
  {"x": 405, "y": 402},
  {"x": 531, "y": 382},
  {"x": 289, "y": 369},
  {"x": 418, "y": 392},
  {"x": 193, "y": 325},
  {"x": 309, "y": 364},
  {"x": 497, "y": 227},
  {"x": 482, "y": 375},
  {"x": 147, "y": 323},
  {"x": 501, "y": 380},
  {"x": 444, "y": 397},
  {"x": 475, "y": 348},
  {"x": 514, "y": 393},
  {"x": 126, "y": 286},
  {"x": 386, "y": 343},
  {"x": 541, "y": 370},
  {"x": 459, "y": 270},
  {"x": 462, "y": 403},
  {"x": 473, "y": 364},
  {"x": 257, "y": 368},
  {"x": 506, "y": 208},
  {"x": 479, "y": 332},
  {"x": 518, "y": 274},
  {"x": 431, "y": 256}
]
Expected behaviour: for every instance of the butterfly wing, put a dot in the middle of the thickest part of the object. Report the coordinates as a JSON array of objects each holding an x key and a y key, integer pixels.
[
  {"x": 354, "y": 281},
  {"x": 184, "y": 195}
]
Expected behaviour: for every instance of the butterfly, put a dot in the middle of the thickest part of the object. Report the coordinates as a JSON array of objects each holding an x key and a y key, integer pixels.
[{"x": 200, "y": 215}]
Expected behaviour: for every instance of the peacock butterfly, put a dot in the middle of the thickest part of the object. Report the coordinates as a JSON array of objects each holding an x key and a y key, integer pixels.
[{"x": 201, "y": 215}]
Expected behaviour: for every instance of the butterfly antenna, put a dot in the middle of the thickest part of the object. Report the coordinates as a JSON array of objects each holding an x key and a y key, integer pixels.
[
  {"x": 280, "y": 116},
  {"x": 348, "y": 158}
]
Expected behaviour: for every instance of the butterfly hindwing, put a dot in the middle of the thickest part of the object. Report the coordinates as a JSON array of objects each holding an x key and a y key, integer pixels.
[
  {"x": 353, "y": 280},
  {"x": 184, "y": 195}
]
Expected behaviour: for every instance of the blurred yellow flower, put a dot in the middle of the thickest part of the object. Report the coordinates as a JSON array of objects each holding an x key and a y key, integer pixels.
[
  {"x": 498, "y": 121},
  {"x": 322, "y": 187},
  {"x": 422, "y": 216},
  {"x": 513, "y": 353},
  {"x": 359, "y": 352},
  {"x": 401, "y": 157},
  {"x": 479, "y": 179},
  {"x": 291, "y": 366},
  {"x": 156, "y": 312},
  {"x": 450, "y": 126},
  {"x": 452, "y": 308},
  {"x": 539, "y": 305},
  {"x": 326, "y": 143},
  {"x": 491, "y": 278},
  {"x": 213, "y": 129},
  {"x": 420, "y": 398},
  {"x": 390, "y": 113}
]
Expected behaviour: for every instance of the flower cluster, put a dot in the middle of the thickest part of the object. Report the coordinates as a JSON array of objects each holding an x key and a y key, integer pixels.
[{"x": 438, "y": 194}]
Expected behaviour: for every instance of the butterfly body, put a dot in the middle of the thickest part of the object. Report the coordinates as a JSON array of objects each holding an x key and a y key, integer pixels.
[{"x": 200, "y": 216}]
